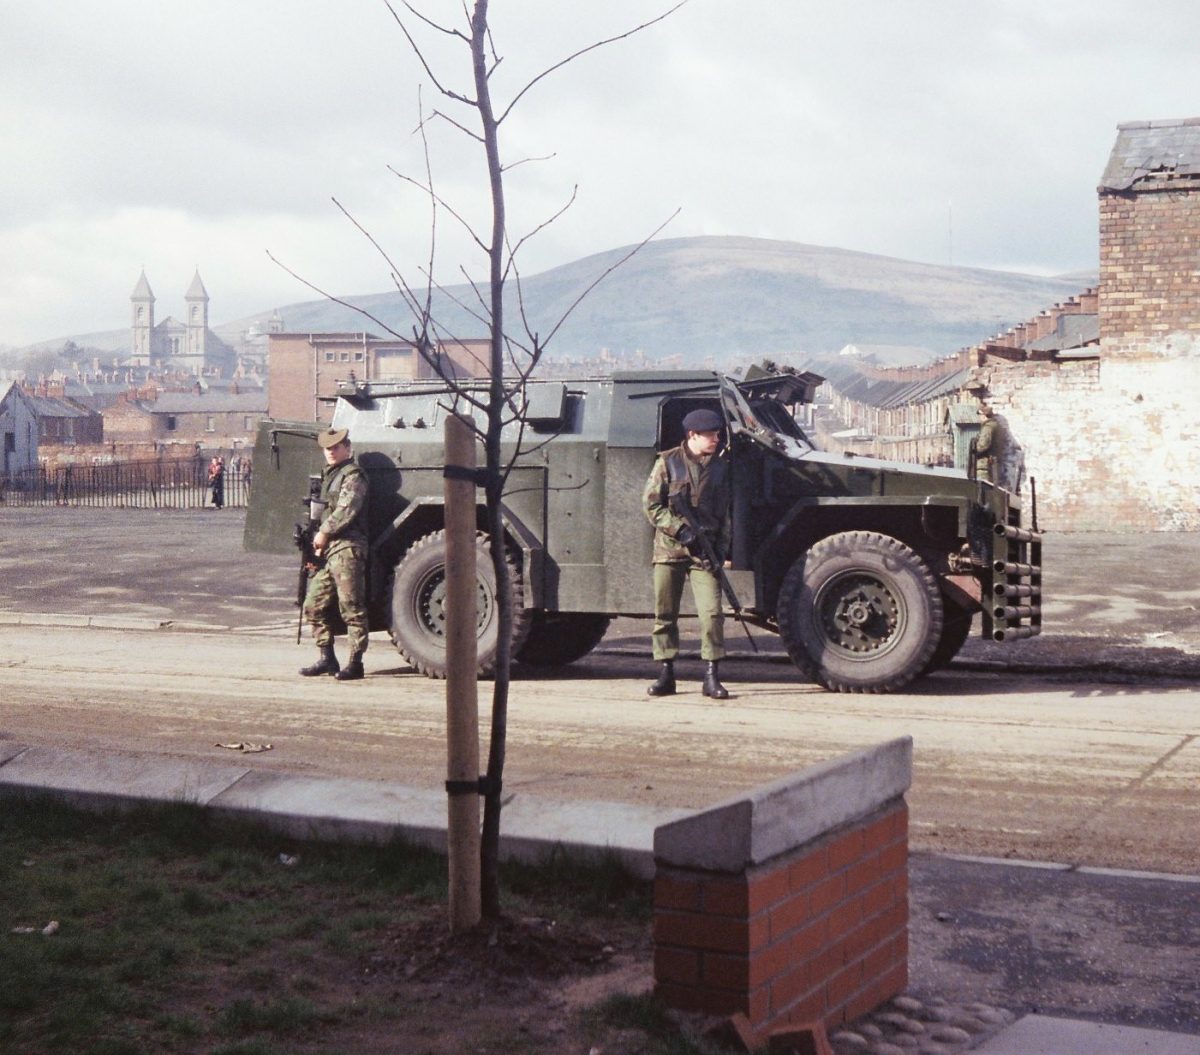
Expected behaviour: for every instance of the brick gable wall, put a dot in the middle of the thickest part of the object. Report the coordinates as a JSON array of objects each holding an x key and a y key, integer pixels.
[{"x": 1149, "y": 270}]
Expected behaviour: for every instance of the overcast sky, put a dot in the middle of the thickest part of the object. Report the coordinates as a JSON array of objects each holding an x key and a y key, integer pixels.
[{"x": 176, "y": 135}]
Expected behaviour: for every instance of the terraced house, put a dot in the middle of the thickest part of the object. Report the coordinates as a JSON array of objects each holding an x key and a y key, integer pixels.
[{"x": 1102, "y": 391}]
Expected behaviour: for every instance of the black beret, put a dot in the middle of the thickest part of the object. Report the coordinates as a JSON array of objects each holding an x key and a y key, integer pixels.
[{"x": 703, "y": 421}]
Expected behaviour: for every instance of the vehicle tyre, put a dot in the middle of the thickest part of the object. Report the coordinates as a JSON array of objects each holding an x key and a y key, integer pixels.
[
  {"x": 956, "y": 628},
  {"x": 860, "y": 612},
  {"x": 558, "y": 638},
  {"x": 418, "y": 617}
]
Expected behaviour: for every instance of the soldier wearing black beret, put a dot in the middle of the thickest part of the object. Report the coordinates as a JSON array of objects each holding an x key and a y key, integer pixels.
[{"x": 692, "y": 473}]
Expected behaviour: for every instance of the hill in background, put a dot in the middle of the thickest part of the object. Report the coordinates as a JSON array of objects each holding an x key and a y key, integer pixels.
[
  {"x": 720, "y": 298},
  {"x": 704, "y": 298}
]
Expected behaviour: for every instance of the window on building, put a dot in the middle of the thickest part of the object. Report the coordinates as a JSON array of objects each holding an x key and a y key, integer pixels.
[
  {"x": 210, "y": 424},
  {"x": 358, "y": 357},
  {"x": 345, "y": 357},
  {"x": 171, "y": 424},
  {"x": 247, "y": 423},
  {"x": 329, "y": 357}
]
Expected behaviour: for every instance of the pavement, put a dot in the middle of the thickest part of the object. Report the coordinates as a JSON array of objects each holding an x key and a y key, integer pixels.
[{"x": 1078, "y": 960}]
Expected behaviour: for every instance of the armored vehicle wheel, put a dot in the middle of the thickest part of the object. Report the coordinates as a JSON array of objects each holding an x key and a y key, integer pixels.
[
  {"x": 860, "y": 612},
  {"x": 418, "y": 620},
  {"x": 558, "y": 638},
  {"x": 956, "y": 628}
]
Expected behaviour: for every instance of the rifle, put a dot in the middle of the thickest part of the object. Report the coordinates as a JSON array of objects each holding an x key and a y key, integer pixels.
[
  {"x": 302, "y": 537},
  {"x": 681, "y": 507}
]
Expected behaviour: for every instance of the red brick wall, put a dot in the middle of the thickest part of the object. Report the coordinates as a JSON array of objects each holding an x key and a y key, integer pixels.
[
  {"x": 818, "y": 933},
  {"x": 1149, "y": 256}
]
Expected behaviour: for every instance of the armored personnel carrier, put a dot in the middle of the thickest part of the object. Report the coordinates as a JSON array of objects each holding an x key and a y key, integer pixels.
[{"x": 870, "y": 571}]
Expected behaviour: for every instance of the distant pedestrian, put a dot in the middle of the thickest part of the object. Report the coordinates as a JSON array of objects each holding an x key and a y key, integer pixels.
[{"x": 216, "y": 481}]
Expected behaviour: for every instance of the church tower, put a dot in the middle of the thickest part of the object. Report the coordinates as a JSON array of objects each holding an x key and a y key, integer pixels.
[
  {"x": 196, "y": 343},
  {"x": 142, "y": 302}
]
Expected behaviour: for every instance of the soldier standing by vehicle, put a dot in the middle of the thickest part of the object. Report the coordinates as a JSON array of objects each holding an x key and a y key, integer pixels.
[
  {"x": 693, "y": 474},
  {"x": 991, "y": 445},
  {"x": 339, "y": 583}
]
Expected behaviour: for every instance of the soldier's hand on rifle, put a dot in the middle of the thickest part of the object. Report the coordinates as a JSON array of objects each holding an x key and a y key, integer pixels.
[
  {"x": 320, "y": 541},
  {"x": 686, "y": 537}
]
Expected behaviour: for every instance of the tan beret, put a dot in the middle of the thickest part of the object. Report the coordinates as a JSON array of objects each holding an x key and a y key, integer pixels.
[{"x": 331, "y": 437}]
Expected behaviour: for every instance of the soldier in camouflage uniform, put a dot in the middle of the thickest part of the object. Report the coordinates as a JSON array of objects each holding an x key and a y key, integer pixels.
[
  {"x": 690, "y": 472},
  {"x": 339, "y": 584},
  {"x": 991, "y": 445}
]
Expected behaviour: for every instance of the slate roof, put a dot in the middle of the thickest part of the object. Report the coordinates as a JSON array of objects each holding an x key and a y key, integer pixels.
[
  {"x": 1073, "y": 331},
  {"x": 209, "y": 403},
  {"x": 1149, "y": 150},
  {"x": 875, "y": 392},
  {"x": 51, "y": 407}
]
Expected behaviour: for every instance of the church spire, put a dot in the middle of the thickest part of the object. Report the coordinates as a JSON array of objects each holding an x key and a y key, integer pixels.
[
  {"x": 142, "y": 290},
  {"x": 196, "y": 337},
  {"x": 142, "y": 303},
  {"x": 196, "y": 290}
]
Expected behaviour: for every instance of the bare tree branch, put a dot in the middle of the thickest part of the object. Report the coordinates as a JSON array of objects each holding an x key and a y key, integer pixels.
[
  {"x": 544, "y": 224},
  {"x": 421, "y": 56},
  {"x": 525, "y": 161},
  {"x": 603, "y": 275},
  {"x": 336, "y": 300},
  {"x": 583, "y": 51},
  {"x": 443, "y": 203},
  {"x": 461, "y": 127},
  {"x": 447, "y": 30},
  {"x": 401, "y": 284}
]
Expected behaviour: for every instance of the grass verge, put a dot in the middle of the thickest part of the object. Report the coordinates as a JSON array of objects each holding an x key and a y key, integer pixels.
[{"x": 168, "y": 929}]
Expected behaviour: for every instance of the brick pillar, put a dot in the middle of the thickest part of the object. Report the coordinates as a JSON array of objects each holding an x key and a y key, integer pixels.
[{"x": 790, "y": 905}]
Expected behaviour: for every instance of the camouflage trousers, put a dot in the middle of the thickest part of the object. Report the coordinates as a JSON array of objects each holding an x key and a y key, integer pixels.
[
  {"x": 668, "y": 592},
  {"x": 339, "y": 587}
]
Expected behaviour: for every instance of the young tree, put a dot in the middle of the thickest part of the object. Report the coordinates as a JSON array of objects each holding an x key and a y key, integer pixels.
[{"x": 513, "y": 355}]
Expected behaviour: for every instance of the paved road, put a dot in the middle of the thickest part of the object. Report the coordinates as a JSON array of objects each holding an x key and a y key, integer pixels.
[
  {"x": 1090, "y": 755},
  {"x": 1024, "y": 767}
]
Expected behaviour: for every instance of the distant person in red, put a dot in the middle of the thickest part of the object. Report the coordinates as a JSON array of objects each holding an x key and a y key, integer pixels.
[{"x": 216, "y": 481}]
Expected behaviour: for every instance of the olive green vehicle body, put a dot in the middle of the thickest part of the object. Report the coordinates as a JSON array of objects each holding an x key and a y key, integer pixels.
[{"x": 573, "y": 497}]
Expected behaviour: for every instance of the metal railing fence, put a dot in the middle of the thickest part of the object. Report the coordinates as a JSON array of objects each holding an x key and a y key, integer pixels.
[{"x": 125, "y": 485}]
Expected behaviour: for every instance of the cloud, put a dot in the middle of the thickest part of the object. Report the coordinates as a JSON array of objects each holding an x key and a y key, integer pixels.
[{"x": 174, "y": 132}]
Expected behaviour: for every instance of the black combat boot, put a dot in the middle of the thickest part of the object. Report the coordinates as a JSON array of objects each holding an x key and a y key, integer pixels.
[
  {"x": 327, "y": 664},
  {"x": 712, "y": 682},
  {"x": 665, "y": 686},
  {"x": 353, "y": 670}
]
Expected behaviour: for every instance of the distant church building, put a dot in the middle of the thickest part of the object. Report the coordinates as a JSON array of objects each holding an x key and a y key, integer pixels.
[{"x": 188, "y": 346}]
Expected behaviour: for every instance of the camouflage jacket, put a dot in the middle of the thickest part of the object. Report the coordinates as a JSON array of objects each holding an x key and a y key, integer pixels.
[
  {"x": 991, "y": 446},
  {"x": 706, "y": 487},
  {"x": 344, "y": 492}
]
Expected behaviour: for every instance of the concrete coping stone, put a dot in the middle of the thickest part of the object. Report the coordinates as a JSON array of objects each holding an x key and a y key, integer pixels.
[
  {"x": 94, "y": 776},
  {"x": 776, "y": 818},
  {"x": 334, "y": 808}
]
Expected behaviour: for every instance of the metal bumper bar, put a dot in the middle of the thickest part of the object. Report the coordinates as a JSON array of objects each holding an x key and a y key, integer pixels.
[{"x": 1015, "y": 610}]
